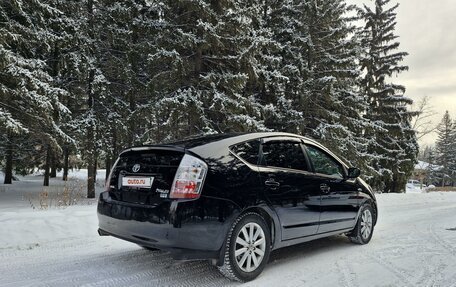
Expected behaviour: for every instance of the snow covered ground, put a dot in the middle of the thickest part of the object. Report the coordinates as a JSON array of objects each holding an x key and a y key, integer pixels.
[{"x": 413, "y": 245}]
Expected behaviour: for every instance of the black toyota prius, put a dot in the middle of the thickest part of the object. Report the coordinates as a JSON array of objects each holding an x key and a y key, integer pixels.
[{"x": 233, "y": 198}]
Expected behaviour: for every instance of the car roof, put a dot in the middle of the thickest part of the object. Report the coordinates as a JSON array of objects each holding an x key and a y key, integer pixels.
[
  {"x": 205, "y": 149},
  {"x": 227, "y": 139},
  {"x": 197, "y": 141},
  {"x": 202, "y": 145}
]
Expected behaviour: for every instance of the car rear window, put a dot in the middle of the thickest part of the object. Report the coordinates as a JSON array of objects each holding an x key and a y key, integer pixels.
[
  {"x": 248, "y": 151},
  {"x": 155, "y": 162},
  {"x": 287, "y": 154}
]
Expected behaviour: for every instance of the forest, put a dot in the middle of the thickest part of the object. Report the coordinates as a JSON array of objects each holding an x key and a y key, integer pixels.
[{"x": 82, "y": 80}]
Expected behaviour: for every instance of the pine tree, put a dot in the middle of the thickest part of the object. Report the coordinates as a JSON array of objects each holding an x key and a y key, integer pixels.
[
  {"x": 337, "y": 70},
  {"x": 128, "y": 35},
  {"x": 452, "y": 165},
  {"x": 203, "y": 64},
  {"x": 392, "y": 143},
  {"x": 274, "y": 75},
  {"x": 432, "y": 169},
  {"x": 29, "y": 96},
  {"x": 93, "y": 77},
  {"x": 88, "y": 86},
  {"x": 445, "y": 147},
  {"x": 319, "y": 58}
]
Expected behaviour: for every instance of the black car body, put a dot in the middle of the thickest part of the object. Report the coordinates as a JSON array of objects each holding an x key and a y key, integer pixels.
[{"x": 299, "y": 188}]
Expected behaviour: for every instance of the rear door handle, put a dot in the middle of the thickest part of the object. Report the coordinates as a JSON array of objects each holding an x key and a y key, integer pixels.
[
  {"x": 272, "y": 183},
  {"x": 324, "y": 188}
]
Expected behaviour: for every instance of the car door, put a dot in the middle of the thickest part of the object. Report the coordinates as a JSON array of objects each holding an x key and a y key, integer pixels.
[
  {"x": 339, "y": 196},
  {"x": 289, "y": 186}
]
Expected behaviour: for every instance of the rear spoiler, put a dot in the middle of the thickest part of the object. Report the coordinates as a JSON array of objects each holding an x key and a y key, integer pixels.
[{"x": 154, "y": 147}]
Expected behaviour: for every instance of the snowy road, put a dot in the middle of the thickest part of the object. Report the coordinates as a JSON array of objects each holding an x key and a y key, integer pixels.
[{"x": 413, "y": 245}]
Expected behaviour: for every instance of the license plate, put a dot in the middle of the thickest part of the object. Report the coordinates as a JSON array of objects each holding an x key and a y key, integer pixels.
[{"x": 137, "y": 181}]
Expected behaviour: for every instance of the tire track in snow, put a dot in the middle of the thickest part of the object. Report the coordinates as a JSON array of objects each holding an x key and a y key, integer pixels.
[
  {"x": 51, "y": 268},
  {"x": 121, "y": 267},
  {"x": 436, "y": 278},
  {"x": 440, "y": 241},
  {"x": 91, "y": 261},
  {"x": 452, "y": 279},
  {"x": 198, "y": 273},
  {"x": 388, "y": 265},
  {"x": 347, "y": 276},
  {"x": 54, "y": 265}
]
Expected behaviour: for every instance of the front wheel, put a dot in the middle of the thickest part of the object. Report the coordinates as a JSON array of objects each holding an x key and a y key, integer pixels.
[
  {"x": 362, "y": 233},
  {"x": 247, "y": 248}
]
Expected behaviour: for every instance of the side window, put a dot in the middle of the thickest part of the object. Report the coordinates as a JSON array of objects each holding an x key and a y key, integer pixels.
[
  {"x": 248, "y": 151},
  {"x": 324, "y": 163},
  {"x": 287, "y": 154}
]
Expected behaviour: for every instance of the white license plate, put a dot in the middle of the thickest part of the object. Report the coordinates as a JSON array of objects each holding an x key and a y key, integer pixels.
[{"x": 137, "y": 181}]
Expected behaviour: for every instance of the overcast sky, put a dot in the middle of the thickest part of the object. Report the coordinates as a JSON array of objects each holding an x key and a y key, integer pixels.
[{"x": 427, "y": 32}]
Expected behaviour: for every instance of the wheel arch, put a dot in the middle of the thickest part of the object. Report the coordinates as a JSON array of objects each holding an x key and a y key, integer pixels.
[
  {"x": 373, "y": 203},
  {"x": 271, "y": 220}
]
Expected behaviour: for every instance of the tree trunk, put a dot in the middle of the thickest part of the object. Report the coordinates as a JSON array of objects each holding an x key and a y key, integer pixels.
[
  {"x": 114, "y": 142},
  {"x": 95, "y": 166},
  {"x": 65, "y": 163},
  {"x": 393, "y": 183},
  {"x": 108, "y": 167},
  {"x": 90, "y": 156},
  {"x": 90, "y": 180},
  {"x": 132, "y": 123},
  {"x": 46, "y": 166},
  {"x": 90, "y": 103},
  {"x": 53, "y": 166},
  {"x": 90, "y": 165},
  {"x": 91, "y": 142},
  {"x": 9, "y": 162}
]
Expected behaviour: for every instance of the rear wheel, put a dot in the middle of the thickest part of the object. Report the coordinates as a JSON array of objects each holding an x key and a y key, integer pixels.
[
  {"x": 247, "y": 248},
  {"x": 362, "y": 233}
]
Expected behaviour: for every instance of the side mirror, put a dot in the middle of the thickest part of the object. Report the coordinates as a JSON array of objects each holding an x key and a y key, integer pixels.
[{"x": 353, "y": 172}]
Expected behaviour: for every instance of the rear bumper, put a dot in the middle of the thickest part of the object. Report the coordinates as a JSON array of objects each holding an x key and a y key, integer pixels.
[
  {"x": 186, "y": 229},
  {"x": 176, "y": 253}
]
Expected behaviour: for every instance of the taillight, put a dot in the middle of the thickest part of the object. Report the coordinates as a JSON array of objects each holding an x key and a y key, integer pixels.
[
  {"x": 189, "y": 178},
  {"x": 108, "y": 180}
]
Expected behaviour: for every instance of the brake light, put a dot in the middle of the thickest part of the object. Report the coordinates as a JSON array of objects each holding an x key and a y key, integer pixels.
[
  {"x": 189, "y": 178},
  {"x": 108, "y": 180}
]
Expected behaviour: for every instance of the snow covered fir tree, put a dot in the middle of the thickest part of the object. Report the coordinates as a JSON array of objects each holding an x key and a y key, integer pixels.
[
  {"x": 93, "y": 77},
  {"x": 446, "y": 151},
  {"x": 392, "y": 146}
]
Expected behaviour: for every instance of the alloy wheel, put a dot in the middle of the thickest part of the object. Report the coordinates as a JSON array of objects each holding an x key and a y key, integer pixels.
[
  {"x": 366, "y": 224},
  {"x": 250, "y": 247}
]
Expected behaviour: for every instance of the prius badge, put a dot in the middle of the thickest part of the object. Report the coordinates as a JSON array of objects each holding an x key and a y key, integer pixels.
[{"x": 136, "y": 167}]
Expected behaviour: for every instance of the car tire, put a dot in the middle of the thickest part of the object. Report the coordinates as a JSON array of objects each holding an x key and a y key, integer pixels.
[
  {"x": 247, "y": 248},
  {"x": 362, "y": 233}
]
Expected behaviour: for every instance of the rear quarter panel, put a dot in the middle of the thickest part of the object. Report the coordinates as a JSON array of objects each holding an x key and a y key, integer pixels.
[{"x": 235, "y": 184}]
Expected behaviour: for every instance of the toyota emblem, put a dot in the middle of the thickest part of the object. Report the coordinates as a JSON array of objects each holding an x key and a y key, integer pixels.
[{"x": 136, "y": 167}]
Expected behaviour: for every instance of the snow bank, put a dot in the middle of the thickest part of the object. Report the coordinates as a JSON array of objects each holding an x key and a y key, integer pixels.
[
  {"x": 24, "y": 221},
  {"x": 82, "y": 174},
  {"x": 27, "y": 227}
]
